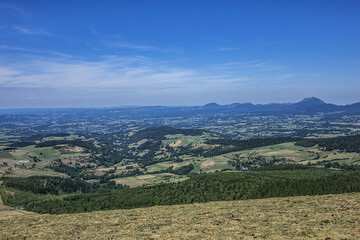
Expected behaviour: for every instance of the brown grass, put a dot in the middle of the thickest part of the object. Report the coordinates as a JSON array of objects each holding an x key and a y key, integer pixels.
[
  {"x": 175, "y": 144},
  {"x": 315, "y": 217},
  {"x": 207, "y": 164}
]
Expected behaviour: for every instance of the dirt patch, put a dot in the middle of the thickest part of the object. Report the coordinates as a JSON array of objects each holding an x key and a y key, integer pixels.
[
  {"x": 76, "y": 149},
  {"x": 99, "y": 173},
  {"x": 137, "y": 144},
  {"x": 143, "y": 153},
  {"x": 20, "y": 153},
  {"x": 175, "y": 165},
  {"x": 175, "y": 144},
  {"x": 202, "y": 145},
  {"x": 207, "y": 164},
  {"x": 3, "y": 160},
  {"x": 132, "y": 182},
  {"x": 142, "y": 141}
]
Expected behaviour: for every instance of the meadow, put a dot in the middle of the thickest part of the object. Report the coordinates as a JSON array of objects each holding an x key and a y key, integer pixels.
[{"x": 304, "y": 217}]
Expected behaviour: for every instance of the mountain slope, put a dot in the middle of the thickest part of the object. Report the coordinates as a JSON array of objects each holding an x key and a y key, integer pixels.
[
  {"x": 306, "y": 217},
  {"x": 307, "y": 105}
]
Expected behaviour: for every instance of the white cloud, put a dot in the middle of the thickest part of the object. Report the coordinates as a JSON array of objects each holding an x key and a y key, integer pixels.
[
  {"x": 119, "y": 43},
  {"x": 223, "y": 49},
  {"x": 32, "y": 50},
  {"x": 255, "y": 66},
  {"x": 6, "y": 73},
  {"x": 32, "y": 31},
  {"x": 107, "y": 73},
  {"x": 133, "y": 46},
  {"x": 11, "y": 7}
]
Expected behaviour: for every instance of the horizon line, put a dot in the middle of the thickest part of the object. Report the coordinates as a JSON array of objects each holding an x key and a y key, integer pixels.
[{"x": 139, "y": 106}]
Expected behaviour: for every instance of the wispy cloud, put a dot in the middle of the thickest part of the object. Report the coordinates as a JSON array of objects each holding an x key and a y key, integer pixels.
[
  {"x": 121, "y": 44},
  {"x": 107, "y": 73},
  {"x": 32, "y": 50},
  {"x": 134, "y": 79},
  {"x": 59, "y": 77},
  {"x": 223, "y": 49},
  {"x": 254, "y": 66},
  {"x": 11, "y": 7},
  {"x": 32, "y": 31}
]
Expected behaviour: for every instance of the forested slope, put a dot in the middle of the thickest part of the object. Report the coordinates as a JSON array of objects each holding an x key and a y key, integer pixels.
[{"x": 200, "y": 188}]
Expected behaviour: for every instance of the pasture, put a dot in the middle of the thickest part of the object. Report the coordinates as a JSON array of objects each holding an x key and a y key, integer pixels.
[{"x": 305, "y": 217}]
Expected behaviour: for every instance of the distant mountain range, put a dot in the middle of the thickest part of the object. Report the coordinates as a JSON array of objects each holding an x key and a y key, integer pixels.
[{"x": 309, "y": 105}]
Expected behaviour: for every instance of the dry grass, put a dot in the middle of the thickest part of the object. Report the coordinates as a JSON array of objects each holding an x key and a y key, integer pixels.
[
  {"x": 315, "y": 217},
  {"x": 175, "y": 144},
  {"x": 132, "y": 181},
  {"x": 152, "y": 179},
  {"x": 207, "y": 164}
]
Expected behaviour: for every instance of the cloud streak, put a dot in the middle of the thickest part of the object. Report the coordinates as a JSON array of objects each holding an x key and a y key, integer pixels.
[
  {"x": 11, "y": 7},
  {"x": 122, "y": 44},
  {"x": 31, "y": 31},
  {"x": 33, "y": 73},
  {"x": 254, "y": 66},
  {"x": 32, "y": 50},
  {"x": 224, "y": 49},
  {"x": 107, "y": 73}
]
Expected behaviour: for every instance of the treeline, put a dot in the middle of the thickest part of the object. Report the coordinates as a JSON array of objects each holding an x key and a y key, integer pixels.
[
  {"x": 346, "y": 143},
  {"x": 110, "y": 156},
  {"x": 74, "y": 172},
  {"x": 184, "y": 170},
  {"x": 221, "y": 186},
  {"x": 21, "y": 192},
  {"x": 39, "y": 137},
  {"x": 159, "y": 133},
  {"x": 344, "y": 166},
  {"x": 150, "y": 145},
  {"x": 21, "y": 144},
  {"x": 110, "y": 175},
  {"x": 48, "y": 185},
  {"x": 79, "y": 143},
  {"x": 282, "y": 167},
  {"x": 229, "y": 145}
]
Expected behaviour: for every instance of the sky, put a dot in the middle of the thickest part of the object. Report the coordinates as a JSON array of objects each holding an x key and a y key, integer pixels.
[{"x": 177, "y": 53}]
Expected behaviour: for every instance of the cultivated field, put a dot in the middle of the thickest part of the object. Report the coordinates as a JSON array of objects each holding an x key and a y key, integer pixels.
[
  {"x": 306, "y": 217},
  {"x": 20, "y": 162}
]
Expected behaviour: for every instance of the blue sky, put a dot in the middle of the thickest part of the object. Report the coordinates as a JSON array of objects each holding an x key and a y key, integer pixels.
[{"x": 113, "y": 53}]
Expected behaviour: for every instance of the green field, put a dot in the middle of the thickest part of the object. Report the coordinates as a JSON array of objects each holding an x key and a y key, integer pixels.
[
  {"x": 284, "y": 153},
  {"x": 45, "y": 156},
  {"x": 165, "y": 153}
]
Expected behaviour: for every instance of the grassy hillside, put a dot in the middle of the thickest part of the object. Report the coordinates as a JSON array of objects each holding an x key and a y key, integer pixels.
[{"x": 306, "y": 217}]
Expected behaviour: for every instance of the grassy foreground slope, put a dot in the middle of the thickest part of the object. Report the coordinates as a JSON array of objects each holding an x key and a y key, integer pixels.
[{"x": 305, "y": 217}]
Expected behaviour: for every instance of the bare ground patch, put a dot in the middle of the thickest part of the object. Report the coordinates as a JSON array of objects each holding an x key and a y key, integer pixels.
[
  {"x": 207, "y": 164},
  {"x": 175, "y": 144}
]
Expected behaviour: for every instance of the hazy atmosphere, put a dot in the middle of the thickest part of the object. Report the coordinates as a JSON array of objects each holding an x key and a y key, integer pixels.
[{"x": 116, "y": 53}]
